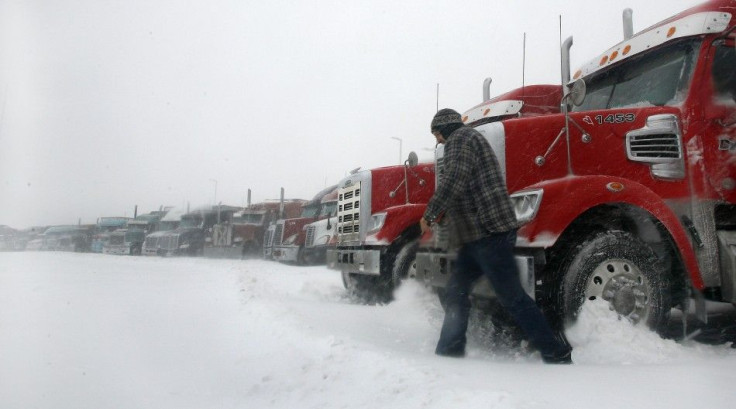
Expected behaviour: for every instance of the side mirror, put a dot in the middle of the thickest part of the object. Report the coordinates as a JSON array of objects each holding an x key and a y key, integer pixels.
[
  {"x": 413, "y": 159},
  {"x": 577, "y": 92}
]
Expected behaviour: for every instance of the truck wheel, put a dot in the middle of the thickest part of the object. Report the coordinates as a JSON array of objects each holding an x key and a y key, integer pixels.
[
  {"x": 304, "y": 259},
  {"x": 373, "y": 289},
  {"x": 619, "y": 268},
  {"x": 367, "y": 289},
  {"x": 405, "y": 264}
]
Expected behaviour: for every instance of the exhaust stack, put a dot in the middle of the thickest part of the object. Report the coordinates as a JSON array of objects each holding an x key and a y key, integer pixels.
[
  {"x": 281, "y": 205},
  {"x": 628, "y": 24},
  {"x": 487, "y": 89},
  {"x": 565, "y": 64}
]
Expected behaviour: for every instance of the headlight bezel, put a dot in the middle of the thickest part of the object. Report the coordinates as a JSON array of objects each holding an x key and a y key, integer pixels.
[
  {"x": 290, "y": 240},
  {"x": 376, "y": 222},
  {"x": 526, "y": 204}
]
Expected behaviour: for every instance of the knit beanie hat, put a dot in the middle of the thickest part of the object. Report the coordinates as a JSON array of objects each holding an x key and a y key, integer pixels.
[{"x": 445, "y": 116}]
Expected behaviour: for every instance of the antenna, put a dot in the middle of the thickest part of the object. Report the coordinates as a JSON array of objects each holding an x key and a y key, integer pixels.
[
  {"x": 523, "y": 66},
  {"x": 438, "y": 97},
  {"x": 562, "y": 78}
]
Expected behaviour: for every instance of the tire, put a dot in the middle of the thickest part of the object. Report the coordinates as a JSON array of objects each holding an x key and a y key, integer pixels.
[
  {"x": 621, "y": 269},
  {"x": 303, "y": 259},
  {"x": 379, "y": 289},
  {"x": 366, "y": 289},
  {"x": 405, "y": 264}
]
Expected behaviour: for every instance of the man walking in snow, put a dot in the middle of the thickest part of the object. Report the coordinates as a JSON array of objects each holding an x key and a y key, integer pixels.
[{"x": 472, "y": 192}]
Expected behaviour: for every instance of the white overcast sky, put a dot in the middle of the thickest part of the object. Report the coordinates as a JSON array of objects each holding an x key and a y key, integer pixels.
[{"x": 108, "y": 104}]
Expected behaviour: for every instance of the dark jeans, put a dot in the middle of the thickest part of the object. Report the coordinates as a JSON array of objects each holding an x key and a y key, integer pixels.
[{"x": 493, "y": 257}]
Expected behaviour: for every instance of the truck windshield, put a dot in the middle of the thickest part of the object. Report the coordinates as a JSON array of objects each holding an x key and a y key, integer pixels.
[
  {"x": 329, "y": 209},
  {"x": 310, "y": 211},
  {"x": 249, "y": 218},
  {"x": 655, "y": 79},
  {"x": 134, "y": 235},
  {"x": 189, "y": 223}
]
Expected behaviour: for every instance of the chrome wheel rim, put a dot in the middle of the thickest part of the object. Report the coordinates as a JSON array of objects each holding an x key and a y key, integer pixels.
[
  {"x": 411, "y": 272},
  {"x": 622, "y": 284}
]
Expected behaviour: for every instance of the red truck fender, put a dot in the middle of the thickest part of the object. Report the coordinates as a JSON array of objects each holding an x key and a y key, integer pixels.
[
  {"x": 398, "y": 220},
  {"x": 564, "y": 200}
]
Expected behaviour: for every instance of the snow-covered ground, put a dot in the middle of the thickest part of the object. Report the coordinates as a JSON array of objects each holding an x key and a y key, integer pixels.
[{"x": 93, "y": 331}]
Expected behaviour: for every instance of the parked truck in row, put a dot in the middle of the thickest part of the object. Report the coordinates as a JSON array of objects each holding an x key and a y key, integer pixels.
[
  {"x": 241, "y": 235},
  {"x": 129, "y": 239},
  {"x": 290, "y": 234},
  {"x": 378, "y": 213},
  {"x": 627, "y": 193},
  {"x": 321, "y": 236}
]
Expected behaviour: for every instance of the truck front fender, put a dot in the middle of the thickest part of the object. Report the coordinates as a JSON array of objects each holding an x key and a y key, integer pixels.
[
  {"x": 398, "y": 220},
  {"x": 565, "y": 200}
]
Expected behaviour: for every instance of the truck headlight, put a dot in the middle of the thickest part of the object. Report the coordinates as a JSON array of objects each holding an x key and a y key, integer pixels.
[
  {"x": 322, "y": 240},
  {"x": 526, "y": 204},
  {"x": 290, "y": 240},
  {"x": 376, "y": 222}
]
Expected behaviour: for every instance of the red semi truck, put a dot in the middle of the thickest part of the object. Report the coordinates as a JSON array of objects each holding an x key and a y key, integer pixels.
[
  {"x": 249, "y": 226},
  {"x": 628, "y": 196},
  {"x": 378, "y": 213}
]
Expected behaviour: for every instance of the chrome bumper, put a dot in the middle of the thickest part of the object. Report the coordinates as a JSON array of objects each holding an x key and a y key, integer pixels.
[
  {"x": 285, "y": 253},
  {"x": 434, "y": 269},
  {"x": 362, "y": 261},
  {"x": 119, "y": 250}
]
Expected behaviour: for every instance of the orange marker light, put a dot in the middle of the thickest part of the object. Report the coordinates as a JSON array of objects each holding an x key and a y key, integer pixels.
[
  {"x": 671, "y": 32},
  {"x": 604, "y": 60},
  {"x": 614, "y": 55},
  {"x": 486, "y": 111},
  {"x": 615, "y": 187},
  {"x": 626, "y": 49}
]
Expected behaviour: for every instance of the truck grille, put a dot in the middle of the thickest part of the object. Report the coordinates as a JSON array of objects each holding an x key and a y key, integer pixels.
[
  {"x": 310, "y": 236},
  {"x": 170, "y": 242},
  {"x": 151, "y": 242},
  {"x": 278, "y": 233},
  {"x": 268, "y": 238},
  {"x": 348, "y": 213}
]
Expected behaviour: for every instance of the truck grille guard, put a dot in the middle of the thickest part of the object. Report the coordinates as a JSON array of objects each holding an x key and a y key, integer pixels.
[
  {"x": 278, "y": 234},
  {"x": 348, "y": 213},
  {"x": 310, "y": 236},
  {"x": 169, "y": 242},
  {"x": 151, "y": 242}
]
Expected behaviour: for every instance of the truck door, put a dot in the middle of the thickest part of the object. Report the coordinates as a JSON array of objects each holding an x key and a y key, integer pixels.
[{"x": 719, "y": 139}]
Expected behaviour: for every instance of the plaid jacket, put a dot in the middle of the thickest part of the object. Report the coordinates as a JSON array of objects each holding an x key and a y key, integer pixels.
[{"x": 472, "y": 190}]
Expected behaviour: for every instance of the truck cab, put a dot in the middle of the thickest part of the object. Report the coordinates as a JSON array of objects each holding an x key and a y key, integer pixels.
[
  {"x": 322, "y": 234},
  {"x": 290, "y": 234},
  {"x": 250, "y": 224},
  {"x": 378, "y": 213},
  {"x": 105, "y": 226},
  {"x": 629, "y": 194},
  {"x": 190, "y": 237}
]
